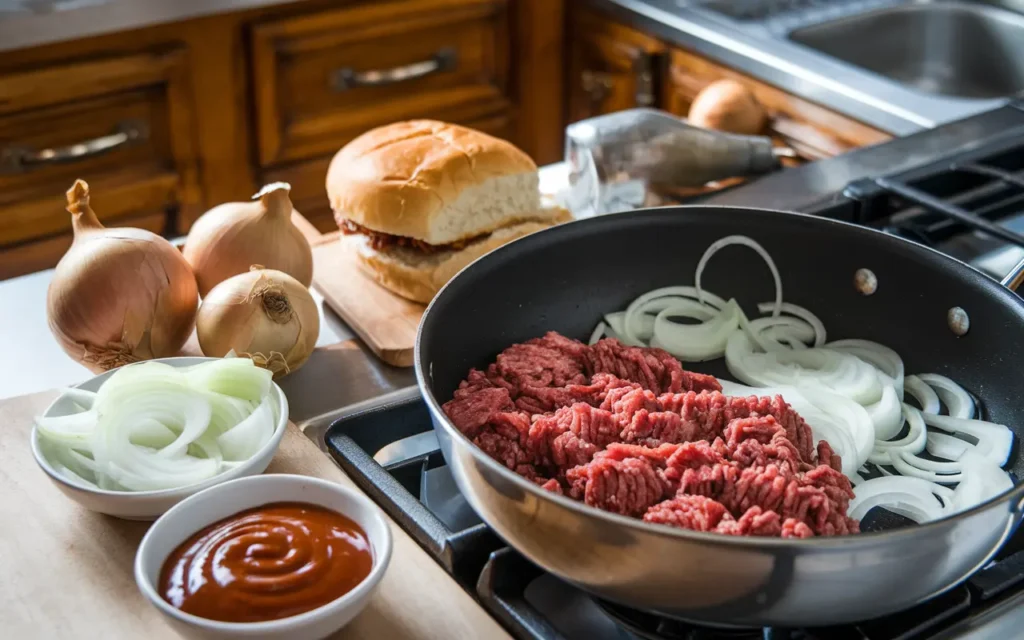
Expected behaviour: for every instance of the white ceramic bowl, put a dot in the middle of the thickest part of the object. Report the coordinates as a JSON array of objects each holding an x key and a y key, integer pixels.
[
  {"x": 148, "y": 505},
  {"x": 223, "y": 500}
]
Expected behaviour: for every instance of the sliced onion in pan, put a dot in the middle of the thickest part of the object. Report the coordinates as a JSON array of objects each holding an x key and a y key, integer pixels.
[
  {"x": 887, "y": 413},
  {"x": 615, "y": 323},
  {"x": 924, "y": 395},
  {"x": 812, "y": 320},
  {"x": 913, "y": 498},
  {"x": 695, "y": 342},
  {"x": 911, "y": 465},
  {"x": 770, "y": 333},
  {"x": 745, "y": 241},
  {"x": 982, "y": 481},
  {"x": 598, "y": 333},
  {"x": 945, "y": 446},
  {"x": 994, "y": 441},
  {"x": 957, "y": 400},
  {"x": 885, "y": 359},
  {"x": 913, "y": 442},
  {"x": 635, "y": 311}
]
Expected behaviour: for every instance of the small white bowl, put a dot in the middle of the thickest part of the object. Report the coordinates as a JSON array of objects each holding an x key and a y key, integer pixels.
[
  {"x": 148, "y": 505},
  {"x": 223, "y": 500}
]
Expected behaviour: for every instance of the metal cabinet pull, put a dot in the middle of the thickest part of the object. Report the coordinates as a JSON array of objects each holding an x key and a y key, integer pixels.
[
  {"x": 348, "y": 78},
  {"x": 23, "y": 158}
]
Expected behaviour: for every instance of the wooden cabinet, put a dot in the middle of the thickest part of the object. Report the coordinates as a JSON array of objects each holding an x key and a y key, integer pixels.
[
  {"x": 322, "y": 79},
  {"x": 611, "y": 67},
  {"x": 167, "y": 121},
  {"x": 109, "y": 120}
]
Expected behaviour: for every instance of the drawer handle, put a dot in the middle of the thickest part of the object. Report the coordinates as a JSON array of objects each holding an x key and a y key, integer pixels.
[
  {"x": 21, "y": 158},
  {"x": 348, "y": 78}
]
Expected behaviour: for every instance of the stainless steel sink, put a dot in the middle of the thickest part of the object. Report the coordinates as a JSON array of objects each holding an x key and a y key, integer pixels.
[{"x": 957, "y": 49}]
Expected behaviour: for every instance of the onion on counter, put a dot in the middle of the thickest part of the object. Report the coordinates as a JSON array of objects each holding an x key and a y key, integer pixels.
[
  {"x": 152, "y": 426},
  {"x": 118, "y": 295},
  {"x": 226, "y": 240},
  {"x": 851, "y": 392},
  {"x": 265, "y": 315}
]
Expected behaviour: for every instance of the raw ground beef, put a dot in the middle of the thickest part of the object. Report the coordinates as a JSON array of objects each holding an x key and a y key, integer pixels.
[{"x": 627, "y": 430}]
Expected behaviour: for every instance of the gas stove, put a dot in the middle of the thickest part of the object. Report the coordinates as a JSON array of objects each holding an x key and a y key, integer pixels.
[
  {"x": 958, "y": 189},
  {"x": 391, "y": 452}
]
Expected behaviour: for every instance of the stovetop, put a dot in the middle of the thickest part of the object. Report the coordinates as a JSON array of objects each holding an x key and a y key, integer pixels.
[
  {"x": 966, "y": 199},
  {"x": 391, "y": 452}
]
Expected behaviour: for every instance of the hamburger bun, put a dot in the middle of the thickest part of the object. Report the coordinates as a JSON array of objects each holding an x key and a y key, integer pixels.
[{"x": 437, "y": 184}]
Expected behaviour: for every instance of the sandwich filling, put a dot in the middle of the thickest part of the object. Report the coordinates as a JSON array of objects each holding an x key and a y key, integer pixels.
[{"x": 381, "y": 241}]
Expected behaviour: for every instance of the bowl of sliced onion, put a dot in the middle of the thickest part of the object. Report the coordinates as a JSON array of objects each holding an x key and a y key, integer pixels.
[{"x": 136, "y": 440}]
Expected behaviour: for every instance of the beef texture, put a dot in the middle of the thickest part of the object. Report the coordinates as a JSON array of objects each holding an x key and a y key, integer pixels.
[{"x": 628, "y": 430}]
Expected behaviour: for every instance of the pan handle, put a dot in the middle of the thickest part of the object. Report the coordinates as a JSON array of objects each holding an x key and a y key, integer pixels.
[{"x": 1014, "y": 279}]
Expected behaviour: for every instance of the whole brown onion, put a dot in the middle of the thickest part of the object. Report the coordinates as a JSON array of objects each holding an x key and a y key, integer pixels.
[
  {"x": 264, "y": 314},
  {"x": 728, "y": 105},
  {"x": 228, "y": 239},
  {"x": 118, "y": 295}
]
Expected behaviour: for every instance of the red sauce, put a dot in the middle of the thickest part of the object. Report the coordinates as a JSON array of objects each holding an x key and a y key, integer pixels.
[{"x": 271, "y": 562}]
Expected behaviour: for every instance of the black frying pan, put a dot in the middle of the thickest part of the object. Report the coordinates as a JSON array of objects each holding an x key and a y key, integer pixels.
[{"x": 566, "y": 278}]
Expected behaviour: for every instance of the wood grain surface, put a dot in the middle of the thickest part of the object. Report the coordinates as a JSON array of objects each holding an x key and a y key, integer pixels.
[
  {"x": 68, "y": 572},
  {"x": 386, "y": 322}
]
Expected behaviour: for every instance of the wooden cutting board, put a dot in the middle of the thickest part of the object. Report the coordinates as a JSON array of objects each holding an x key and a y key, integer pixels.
[
  {"x": 386, "y": 322},
  {"x": 67, "y": 572}
]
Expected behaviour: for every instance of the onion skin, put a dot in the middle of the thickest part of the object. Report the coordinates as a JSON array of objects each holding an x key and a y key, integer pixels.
[
  {"x": 263, "y": 314},
  {"x": 228, "y": 239},
  {"x": 726, "y": 105},
  {"x": 118, "y": 295}
]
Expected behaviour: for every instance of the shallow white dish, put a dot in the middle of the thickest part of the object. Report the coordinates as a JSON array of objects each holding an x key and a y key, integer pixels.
[
  {"x": 229, "y": 498},
  {"x": 148, "y": 505}
]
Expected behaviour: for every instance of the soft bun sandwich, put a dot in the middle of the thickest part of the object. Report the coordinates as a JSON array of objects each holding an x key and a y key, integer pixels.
[{"x": 420, "y": 200}]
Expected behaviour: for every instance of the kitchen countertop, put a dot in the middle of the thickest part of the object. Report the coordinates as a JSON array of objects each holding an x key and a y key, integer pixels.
[{"x": 68, "y": 572}]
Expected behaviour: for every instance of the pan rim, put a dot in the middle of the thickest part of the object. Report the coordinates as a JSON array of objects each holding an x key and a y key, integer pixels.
[{"x": 739, "y": 542}]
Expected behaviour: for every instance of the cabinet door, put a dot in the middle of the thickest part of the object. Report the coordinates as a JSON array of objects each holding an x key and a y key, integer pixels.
[
  {"x": 813, "y": 131},
  {"x": 123, "y": 123},
  {"x": 611, "y": 67}
]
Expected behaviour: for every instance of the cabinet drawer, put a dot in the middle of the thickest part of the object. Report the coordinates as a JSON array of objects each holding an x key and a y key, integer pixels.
[
  {"x": 109, "y": 121},
  {"x": 307, "y": 178},
  {"x": 28, "y": 257},
  {"x": 322, "y": 79}
]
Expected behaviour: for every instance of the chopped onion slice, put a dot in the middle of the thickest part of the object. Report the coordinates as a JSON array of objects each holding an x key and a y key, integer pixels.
[
  {"x": 957, "y": 400},
  {"x": 885, "y": 359},
  {"x": 922, "y": 393},
  {"x": 908, "y": 464},
  {"x": 242, "y": 441},
  {"x": 615, "y": 324},
  {"x": 746, "y": 241},
  {"x": 695, "y": 342},
  {"x": 913, "y": 442},
  {"x": 598, "y": 333},
  {"x": 941, "y": 445},
  {"x": 887, "y": 413},
  {"x": 994, "y": 441},
  {"x": 982, "y": 481},
  {"x": 812, "y": 320},
  {"x": 153, "y": 427},
  {"x": 913, "y": 498}
]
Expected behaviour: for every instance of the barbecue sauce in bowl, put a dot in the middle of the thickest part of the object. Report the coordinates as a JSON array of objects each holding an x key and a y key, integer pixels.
[{"x": 267, "y": 563}]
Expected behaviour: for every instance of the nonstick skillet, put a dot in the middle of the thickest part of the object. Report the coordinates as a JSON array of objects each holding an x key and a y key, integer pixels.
[{"x": 564, "y": 279}]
